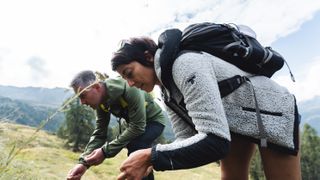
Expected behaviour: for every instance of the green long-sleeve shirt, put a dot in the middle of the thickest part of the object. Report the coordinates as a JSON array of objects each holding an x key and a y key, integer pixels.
[{"x": 135, "y": 106}]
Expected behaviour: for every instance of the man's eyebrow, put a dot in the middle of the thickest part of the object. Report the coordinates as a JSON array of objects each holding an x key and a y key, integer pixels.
[{"x": 83, "y": 90}]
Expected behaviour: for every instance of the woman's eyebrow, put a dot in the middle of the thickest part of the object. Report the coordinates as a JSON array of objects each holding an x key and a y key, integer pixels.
[{"x": 125, "y": 71}]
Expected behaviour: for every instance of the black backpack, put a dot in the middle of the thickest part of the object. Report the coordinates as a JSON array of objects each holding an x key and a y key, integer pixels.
[
  {"x": 228, "y": 43},
  {"x": 222, "y": 40}
]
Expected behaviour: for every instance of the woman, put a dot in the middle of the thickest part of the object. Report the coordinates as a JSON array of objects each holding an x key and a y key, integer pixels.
[{"x": 196, "y": 75}]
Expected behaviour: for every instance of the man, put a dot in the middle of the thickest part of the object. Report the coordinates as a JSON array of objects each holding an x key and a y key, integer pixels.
[{"x": 144, "y": 118}]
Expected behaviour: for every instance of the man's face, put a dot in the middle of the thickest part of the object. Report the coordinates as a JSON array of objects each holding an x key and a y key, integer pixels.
[{"x": 91, "y": 96}]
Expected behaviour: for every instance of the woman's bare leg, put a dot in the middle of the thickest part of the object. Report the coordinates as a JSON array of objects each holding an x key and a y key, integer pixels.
[
  {"x": 236, "y": 165},
  {"x": 279, "y": 166}
]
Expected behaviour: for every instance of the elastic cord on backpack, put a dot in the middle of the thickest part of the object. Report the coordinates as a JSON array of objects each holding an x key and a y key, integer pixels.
[
  {"x": 262, "y": 132},
  {"x": 292, "y": 77}
]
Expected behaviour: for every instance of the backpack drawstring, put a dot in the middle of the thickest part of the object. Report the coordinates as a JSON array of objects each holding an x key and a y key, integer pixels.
[
  {"x": 262, "y": 132},
  {"x": 292, "y": 77}
]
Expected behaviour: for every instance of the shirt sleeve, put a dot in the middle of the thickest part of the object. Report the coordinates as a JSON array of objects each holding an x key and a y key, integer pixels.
[
  {"x": 180, "y": 128},
  {"x": 99, "y": 135}
]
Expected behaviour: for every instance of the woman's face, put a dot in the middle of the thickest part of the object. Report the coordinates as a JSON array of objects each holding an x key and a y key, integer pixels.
[{"x": 138, "y": 75}]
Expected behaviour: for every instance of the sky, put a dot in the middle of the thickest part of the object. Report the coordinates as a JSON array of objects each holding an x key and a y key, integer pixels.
[{"x": 44, "y": 43}]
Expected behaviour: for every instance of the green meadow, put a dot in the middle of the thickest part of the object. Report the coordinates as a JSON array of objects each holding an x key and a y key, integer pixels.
[{"x": 46, "y": 158}]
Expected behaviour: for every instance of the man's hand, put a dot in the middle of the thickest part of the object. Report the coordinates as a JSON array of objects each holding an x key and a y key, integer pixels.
[
  {"x": 136, "y": 166},
  {"x": 76, "y": 172},
  {"x": 95, "y": 157}
]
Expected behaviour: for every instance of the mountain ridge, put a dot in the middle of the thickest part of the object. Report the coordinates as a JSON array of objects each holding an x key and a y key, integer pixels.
[{"x": 54, "y": 97}]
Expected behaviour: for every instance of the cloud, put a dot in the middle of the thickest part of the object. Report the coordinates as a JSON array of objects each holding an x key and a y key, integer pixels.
[
  {"x": 1, "y": 64},
  {"x": 83, "y": 34},
  {"x": 3, "y": 53},
  {"x": 307, "y": 84},
  {"x": 271, "y": 19},
  {"x": 1, "y": 59},
  {"x": 37, "y": 67}
]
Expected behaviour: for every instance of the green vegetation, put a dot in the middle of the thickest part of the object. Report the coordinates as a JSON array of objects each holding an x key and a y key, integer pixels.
[
  {"x": 310, "y": 153},
  {"x": 18, "y": 145},
  {"x": 27, "y": 153},
  {"x": 310, "y": 156},
  {"x": 309, "y": 111},
  {"x": 256, "y": 168},
  {"x": 78, "y": 125},
  {"x": 24, "y": 113},
  {"x": 45, "y": 158}
]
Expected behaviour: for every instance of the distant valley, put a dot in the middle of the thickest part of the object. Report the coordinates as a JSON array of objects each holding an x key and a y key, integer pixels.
[{"x": 31, "y": 105}]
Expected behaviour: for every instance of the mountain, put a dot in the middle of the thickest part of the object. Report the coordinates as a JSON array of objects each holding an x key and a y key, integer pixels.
[
  {"x": 36, "y": 95},
  {"x": 310, "y": 112},
  {"x": 22, "y": 112},
  {"x": 31, "y": 105},
  {"x": 45, "y": 99}
]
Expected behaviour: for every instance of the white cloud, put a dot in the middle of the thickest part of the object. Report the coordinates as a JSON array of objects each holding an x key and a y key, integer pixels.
[
  {"x": 307, "y": 84},
  {"x": 271, "y": 19},
  {"x": 73, "y": 35},
  {"x": 37, "y": 68}
]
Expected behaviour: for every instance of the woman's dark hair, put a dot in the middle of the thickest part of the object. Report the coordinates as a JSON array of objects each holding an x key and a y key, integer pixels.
[{"x": 133, "y": 50}]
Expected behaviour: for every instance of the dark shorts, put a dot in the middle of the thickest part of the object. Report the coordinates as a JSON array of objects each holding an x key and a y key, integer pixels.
[{"x": 152, "y": 132}]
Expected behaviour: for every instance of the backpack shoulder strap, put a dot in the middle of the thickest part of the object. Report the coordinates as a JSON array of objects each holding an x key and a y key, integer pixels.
[
  {"x": 168, "y": 43},
  {"x": 178, "y": 108},
  {"x": 226, "y": 87}
]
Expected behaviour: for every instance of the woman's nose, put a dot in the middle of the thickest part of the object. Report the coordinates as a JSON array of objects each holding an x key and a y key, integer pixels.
[{"x": 130, "y": 82}]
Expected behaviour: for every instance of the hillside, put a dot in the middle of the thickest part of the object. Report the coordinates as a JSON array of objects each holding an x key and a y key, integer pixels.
[
  {"x": 27, "y": 114},
  {"x": 30, "y": 105},
  {"x": 44, "y": 158},
  {"x": 40, "y": 99},
  {"x": 36, "y": 95},
  {"x": 310, "y": 113}
]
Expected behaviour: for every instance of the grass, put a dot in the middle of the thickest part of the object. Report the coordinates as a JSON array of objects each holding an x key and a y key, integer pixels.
[
  {"x": 18, "y": 144},
  {"x": 44, "y": 158}
]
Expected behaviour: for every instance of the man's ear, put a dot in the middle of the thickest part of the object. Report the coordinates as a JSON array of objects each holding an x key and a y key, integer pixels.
[{"x": 148, "y": 56}]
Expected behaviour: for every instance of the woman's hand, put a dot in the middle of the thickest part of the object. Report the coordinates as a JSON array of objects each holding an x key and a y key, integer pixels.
[{"x": 136, "y": 166}]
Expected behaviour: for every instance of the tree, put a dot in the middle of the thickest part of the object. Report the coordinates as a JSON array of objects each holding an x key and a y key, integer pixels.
[
  {"x": 78, "y": 125},
  {"x": 310, "y": 153},
  {"x": 256, "y": 167}
]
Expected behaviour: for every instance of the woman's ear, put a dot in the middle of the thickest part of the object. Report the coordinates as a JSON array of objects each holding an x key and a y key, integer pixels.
[{"x": 148, "y": 56}]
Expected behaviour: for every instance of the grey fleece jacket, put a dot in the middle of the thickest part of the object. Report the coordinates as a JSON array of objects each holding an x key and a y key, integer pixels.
[{"x": 196, "y": 75}]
